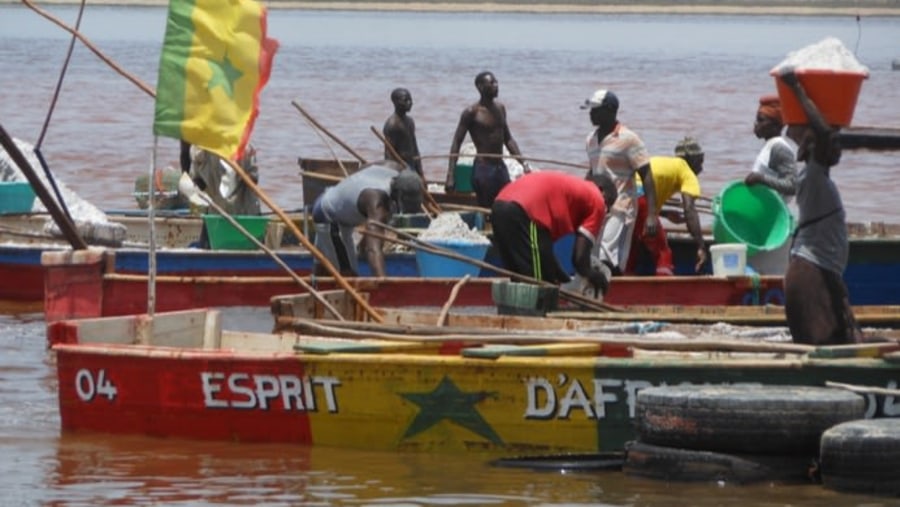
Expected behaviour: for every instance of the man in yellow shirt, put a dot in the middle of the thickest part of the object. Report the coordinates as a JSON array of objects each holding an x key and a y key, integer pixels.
[{"x": 671, "y": 175}]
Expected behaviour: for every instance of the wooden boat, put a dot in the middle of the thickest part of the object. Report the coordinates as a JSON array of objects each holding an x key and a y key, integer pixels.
[
  {"x": 180, "y": 375},
  {"x": 873, "y": 269},
  {"x": 870, "y": 138},
  {"x": 872, "y": 276},
  {"x": 90, "y": 284},
  {"x": 636, "y": 317},
  {"x": 22, "y": 244}
]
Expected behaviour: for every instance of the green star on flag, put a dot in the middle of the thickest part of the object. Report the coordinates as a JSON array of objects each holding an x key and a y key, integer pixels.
[
  {"x": 448, "y": 402},
  {"x": 215, "y": 60}
]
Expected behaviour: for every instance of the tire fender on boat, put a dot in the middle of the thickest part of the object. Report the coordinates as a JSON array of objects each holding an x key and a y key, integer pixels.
[
  {"x": 757, "y": 419},
  {"x": 862, "y": 456}
]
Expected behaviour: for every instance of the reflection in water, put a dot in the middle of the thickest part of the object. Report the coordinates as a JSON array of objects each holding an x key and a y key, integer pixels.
[
  {"x": 100, "y": 469},
  {"x": 41, "y": 466}
]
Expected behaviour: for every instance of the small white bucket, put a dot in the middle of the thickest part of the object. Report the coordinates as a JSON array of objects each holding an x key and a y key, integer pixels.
[{"x": 729, "y": 259}]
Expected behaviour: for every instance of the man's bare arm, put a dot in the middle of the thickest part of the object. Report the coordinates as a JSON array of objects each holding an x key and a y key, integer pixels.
[{"x": 461, "y": 130}]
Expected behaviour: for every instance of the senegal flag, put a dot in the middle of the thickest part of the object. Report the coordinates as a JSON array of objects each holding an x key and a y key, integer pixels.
[{"x": 215, "y": 60}]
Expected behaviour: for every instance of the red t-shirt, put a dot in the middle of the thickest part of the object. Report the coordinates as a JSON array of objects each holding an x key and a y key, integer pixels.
[{"x": 561, "y": 202}]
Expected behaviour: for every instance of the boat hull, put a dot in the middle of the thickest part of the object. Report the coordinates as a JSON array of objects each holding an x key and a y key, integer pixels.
[
  {"x": 79, "y": 285},
  {"x": 431, "y": 399}
]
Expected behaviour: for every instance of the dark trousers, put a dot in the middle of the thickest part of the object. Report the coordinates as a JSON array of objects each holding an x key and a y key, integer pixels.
[
  {"x": 524, "y": 246},
  {"x": 817, "y": 305}
]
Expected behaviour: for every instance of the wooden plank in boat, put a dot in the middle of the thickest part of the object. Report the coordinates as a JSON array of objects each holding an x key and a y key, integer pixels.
[
  {"x": 892, "y": 357},
  {"x": 771, "y": 315},
  {"x": 334, "y": 346},
  {"x": 549, "y": 349},
  {"x": 854, "y": 350}
]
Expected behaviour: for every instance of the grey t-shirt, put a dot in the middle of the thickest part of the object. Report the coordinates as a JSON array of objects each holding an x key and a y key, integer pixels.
[
  {"x": 822, "y": 241},
  {"x": 339, "y": 203}
]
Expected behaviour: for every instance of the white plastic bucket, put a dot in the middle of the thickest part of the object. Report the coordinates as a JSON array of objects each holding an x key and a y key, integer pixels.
[{"x": 729, "y": 259}]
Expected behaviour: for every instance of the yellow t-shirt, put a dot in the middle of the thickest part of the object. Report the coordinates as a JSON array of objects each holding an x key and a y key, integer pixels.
[{"x": 671, "y": 175}]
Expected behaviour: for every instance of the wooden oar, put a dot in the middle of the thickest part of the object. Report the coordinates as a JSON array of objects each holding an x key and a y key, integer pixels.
[
  {"x": 327, "y": 145},
  {"x": 435, "y": 208},
  {"x": 454, "y": 292},
  {"x": 68, "y": 229},
  {"x": 417, "y": 244},
  {"x": 467, "y": 207},
  {"x": 140, "y": 84},
  {"x": 331, "y": 178},
  {"x": 303, "y": 239},
  {"x": 519, "y": 158},
  {"x": 328, "y": 132},
  {"x": 407, "y": 333}
]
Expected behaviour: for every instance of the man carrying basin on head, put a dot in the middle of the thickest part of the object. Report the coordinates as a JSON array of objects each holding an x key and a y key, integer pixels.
[
  {"x": 671, "y": 175},
  {"x": 375, "y": 192},
  {"x": 817, "y": 305},
  {"x": 532, "y": 212}
]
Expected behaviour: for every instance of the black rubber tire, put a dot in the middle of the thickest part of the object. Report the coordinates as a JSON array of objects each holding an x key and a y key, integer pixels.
[
  {"x": 565, "y": 462},
  {"x": 689, "y": 465},
  {"x": 742, "y": 418},
  {"x": 862, "y": 456}
]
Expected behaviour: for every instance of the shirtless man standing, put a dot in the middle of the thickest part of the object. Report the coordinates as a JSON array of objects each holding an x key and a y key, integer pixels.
[
  {"x": 485, "y": 122},
  {"x": 400, "y": 130}
]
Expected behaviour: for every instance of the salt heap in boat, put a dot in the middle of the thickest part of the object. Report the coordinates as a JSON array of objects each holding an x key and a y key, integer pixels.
[
  {"x": 450, "y": 226},
  {"x": 91, "y": 223},
  {"x": 827, "y": 54}
]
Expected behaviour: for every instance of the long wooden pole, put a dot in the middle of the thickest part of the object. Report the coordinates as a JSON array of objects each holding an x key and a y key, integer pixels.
[
  {"x": 140, "y": 84},
  {"x": 65, "y": 225},
  {"x": 303, "y": 239},
  {"x": 418, "y": 244},
  {"x": 496, "y": 155},
  {"x": 328, "y": 132},
  {"x": 454, "y": 293},
  {"x": 327, "y": 144}
]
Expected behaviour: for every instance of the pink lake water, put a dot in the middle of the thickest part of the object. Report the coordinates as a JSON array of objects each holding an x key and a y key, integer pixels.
[{"x": 675, "y": 76}]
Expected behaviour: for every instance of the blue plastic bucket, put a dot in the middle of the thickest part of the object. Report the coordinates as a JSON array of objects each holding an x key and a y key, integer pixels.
[
  {"x": 16, "y": 197},
  {"x": 437, "y": 266},
  {"x": 753, "y": 215}
]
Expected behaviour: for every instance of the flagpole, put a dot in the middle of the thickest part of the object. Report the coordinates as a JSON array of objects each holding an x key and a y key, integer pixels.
[{"x": 151, "y": 250}]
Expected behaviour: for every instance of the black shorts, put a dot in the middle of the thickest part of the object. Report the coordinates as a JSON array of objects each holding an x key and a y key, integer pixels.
[{"x": 488, "y": 179}]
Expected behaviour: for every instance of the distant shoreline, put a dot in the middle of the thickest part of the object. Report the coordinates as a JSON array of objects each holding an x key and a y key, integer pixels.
[{"x": 725, "y": 7}]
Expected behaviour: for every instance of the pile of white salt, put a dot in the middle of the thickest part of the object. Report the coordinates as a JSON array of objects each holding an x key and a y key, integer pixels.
[
  {"x": 827, "y": 54},
  {"x": 450, "y": 226}
]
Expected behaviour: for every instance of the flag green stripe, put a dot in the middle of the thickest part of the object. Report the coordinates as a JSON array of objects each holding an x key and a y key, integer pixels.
[{"x": 172, "y": 81}]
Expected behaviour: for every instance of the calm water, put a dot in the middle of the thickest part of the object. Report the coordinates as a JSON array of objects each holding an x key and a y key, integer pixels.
[{"x": 675, "y": 75}]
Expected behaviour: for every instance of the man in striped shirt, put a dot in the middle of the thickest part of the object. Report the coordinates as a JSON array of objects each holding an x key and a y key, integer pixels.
[{"x": 614, "y": 148}]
